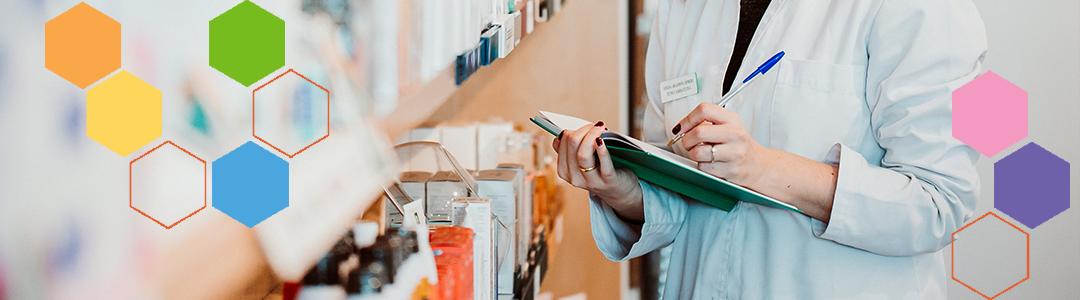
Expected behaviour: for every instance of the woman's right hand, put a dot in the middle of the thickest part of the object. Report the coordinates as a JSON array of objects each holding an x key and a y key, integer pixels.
[{"x": 581, "y": 168}]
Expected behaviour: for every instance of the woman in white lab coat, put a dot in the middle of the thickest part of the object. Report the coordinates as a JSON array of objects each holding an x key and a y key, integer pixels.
[{"x": 853, "y": 127}]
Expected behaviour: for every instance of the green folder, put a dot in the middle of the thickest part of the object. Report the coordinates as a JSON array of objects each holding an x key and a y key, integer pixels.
[{"x": 663, "y": 168}]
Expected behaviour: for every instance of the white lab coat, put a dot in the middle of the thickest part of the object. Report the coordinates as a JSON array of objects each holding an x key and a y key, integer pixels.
[{"x": 866, "y": 85}]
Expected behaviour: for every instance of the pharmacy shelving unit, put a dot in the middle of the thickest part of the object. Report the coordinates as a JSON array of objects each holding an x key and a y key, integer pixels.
[
  {"x": 570, "y": 64},
  {"x": 222, "y": 261}
]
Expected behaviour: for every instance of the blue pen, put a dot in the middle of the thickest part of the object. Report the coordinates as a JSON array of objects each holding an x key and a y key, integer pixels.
[{"x": 765, "y": 67}]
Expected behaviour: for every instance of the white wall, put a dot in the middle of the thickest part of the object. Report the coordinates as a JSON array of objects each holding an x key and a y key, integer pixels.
[{"x": 1036, "y": 45}]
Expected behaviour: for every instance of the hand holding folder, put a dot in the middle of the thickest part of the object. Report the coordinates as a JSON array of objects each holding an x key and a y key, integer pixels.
[{"x": 663, "y": 168}]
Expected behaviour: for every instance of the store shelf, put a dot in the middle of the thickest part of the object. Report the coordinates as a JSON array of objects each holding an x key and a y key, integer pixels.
[
  {"x": 414, "y": 108},
  {"x": 253, "y": 277},
  {"x": 417, "y": 106}
]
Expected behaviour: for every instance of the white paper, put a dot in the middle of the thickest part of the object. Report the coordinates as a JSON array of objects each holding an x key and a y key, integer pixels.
[{"x": 564, "y": 121}]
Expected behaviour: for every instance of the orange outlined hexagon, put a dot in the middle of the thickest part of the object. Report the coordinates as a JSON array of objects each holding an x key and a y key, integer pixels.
[
  {"x": 131, "y": 184},
  {"x": 253, "y": 101},
  {"x": 82, "y": 45},
  {"x": 1028, "y": 257}
]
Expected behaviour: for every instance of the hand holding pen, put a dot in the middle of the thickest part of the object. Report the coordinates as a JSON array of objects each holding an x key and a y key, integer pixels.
[{"x": 765, "y": 67}]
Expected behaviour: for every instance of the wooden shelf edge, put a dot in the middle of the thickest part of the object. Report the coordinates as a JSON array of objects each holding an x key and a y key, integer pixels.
[{"x": 416, "y": 107}]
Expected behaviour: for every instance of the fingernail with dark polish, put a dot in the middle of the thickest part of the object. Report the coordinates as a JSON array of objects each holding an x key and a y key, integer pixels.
[
  {"x": 600, "y": 124},
  {"x": 599, "y": 142},
  {"x": 676, "y": 129}
]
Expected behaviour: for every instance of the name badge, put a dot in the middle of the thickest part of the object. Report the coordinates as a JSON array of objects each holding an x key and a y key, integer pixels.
[{"x": 678, "y": 88}]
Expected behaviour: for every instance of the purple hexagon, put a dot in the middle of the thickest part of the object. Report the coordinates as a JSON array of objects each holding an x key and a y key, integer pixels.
[
  {"x": 990, "y": 114},
  {"x": 1031, "y": 185}
]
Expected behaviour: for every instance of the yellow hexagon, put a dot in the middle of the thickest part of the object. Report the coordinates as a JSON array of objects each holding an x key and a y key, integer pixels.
[{"x": 123, "y": 113}]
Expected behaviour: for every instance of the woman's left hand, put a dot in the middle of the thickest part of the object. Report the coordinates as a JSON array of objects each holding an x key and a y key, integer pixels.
[{"x": 718, "y": 141}]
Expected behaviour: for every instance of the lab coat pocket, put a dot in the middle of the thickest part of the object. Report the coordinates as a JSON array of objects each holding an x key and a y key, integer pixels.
[{"x": 816, "y": 105}]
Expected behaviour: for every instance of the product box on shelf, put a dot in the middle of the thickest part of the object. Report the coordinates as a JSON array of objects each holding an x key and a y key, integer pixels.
[
  {"x": 413, "y": 183},
  {"x": 489, "y": 45},
  {"x": 506, "y": 31},
  {"x": 540, "y": 200},
  {"x": 442, "y": 188},
  {"x": 453, "y": 250},
  {"x": 476, "y": 214},
  {"x": 524, "y": 182},
  {"x": 501, "y": 186},
  {"x": 461, "y": 142},
  {"x": 518, "y": 28},
  {"x": 491, "y": 144},
  {"x": 528, "y": 19}
]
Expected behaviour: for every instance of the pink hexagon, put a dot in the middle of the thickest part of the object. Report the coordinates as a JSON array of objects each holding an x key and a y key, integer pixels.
[{"x": 990, "y": 114}]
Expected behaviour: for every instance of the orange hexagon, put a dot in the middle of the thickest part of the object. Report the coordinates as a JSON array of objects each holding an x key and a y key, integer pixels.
[
  {"x": 82, "y": 45},
  {"x": 1027, "y": 263}
]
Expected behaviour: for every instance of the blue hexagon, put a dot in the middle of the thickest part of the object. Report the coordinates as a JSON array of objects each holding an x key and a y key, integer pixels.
[
  {"x": 1031, "y": 185},
  {"x": 250, "y": 184}
]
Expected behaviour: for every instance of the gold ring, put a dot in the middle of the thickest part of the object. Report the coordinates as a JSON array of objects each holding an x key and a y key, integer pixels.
[{"x": 588, "y": 169}]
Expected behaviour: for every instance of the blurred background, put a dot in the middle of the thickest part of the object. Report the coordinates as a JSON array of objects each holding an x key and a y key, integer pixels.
[{"x": 66, "y": 233}]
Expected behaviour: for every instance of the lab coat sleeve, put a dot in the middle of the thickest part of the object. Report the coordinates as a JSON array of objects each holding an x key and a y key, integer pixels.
[
  {"x": 925, "y": 186},
  {"x": 619, "y": 240},
  {"x": 664, "y": 210}
]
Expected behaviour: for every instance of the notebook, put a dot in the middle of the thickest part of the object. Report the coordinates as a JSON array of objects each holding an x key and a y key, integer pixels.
[{"x": 663, "y": 168}]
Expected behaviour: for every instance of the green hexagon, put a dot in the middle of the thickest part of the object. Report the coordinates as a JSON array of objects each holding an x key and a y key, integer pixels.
[{"x": 247, "y": 43}]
